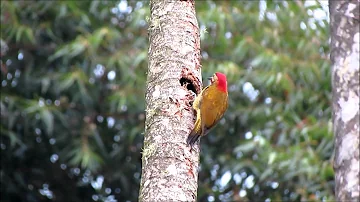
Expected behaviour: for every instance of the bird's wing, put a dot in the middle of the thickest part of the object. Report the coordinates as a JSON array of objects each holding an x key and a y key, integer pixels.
[
  {"x": 216, "y": 121},
  {"x": 195, "y": 133}
]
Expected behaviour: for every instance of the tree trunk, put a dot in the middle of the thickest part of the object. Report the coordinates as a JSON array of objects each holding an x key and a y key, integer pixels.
[
  {"x": 169, "y": 166},
  {"x": 344, "y": 22}
]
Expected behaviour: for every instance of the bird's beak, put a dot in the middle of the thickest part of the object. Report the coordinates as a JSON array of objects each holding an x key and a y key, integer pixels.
[{"x": 209, "y": 78}]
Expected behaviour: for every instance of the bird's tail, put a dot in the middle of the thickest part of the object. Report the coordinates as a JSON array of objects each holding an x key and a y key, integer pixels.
[
  {"x": 192, "y": 138},
  {"x": 196, "y": 132}
]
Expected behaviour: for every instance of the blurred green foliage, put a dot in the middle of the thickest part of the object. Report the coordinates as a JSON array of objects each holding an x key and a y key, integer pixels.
[{"x": 72, "y": 100}]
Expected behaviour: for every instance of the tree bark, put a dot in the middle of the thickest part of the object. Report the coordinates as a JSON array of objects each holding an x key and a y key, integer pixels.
[
  {"x": 344, "y": 22},
  {"x": 169, "y": 166}
]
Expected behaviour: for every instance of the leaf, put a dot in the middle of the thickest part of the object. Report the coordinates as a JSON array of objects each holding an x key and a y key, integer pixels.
[
  {"x": 48, "y": 119},
  {"x": 30, "y": 35},
  {"x": 19, "y": 32},
  {"x": 139, "y": 58},
  {"x": 76, "y": 156},
  {"x": 98, "y": 37},
  {"x": 14, "y": 139},
  {"x": 266, "y": 174},
  {"x": 66, "y": 81},
  {"x": 76, "y": 48},
  {"x": 246, "y": 147},
  {"x": 59, "y": 53},
  {"x": 33, "y": 107},
  {"x": 45, "y": 84},
  {"x": 257, "y": 61}
]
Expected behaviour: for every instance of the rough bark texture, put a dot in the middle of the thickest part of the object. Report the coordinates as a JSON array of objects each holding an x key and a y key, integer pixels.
[
  {"x": 169, "y": 167},
  {"x": 344, "y": 22}
]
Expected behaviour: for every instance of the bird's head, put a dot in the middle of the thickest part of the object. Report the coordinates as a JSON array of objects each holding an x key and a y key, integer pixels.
[{"x": 219, "y": 79}]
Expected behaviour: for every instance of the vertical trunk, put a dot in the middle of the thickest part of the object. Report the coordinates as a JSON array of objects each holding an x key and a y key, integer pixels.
[
  {"x": 344, "y": 22},
  {"x": 169, "y": 168}
]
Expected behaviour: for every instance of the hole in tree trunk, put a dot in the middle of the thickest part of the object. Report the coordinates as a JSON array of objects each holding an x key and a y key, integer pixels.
[
  {"x": 190, "y": 81},
  {"x": 187, "y": 83}
]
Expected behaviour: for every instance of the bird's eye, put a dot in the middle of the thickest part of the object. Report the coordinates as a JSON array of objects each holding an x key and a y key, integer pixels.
[{"x": 213, "y": 78}]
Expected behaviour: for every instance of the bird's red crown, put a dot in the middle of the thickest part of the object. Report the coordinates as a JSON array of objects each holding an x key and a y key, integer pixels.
[{"x": 222, "y": 82}]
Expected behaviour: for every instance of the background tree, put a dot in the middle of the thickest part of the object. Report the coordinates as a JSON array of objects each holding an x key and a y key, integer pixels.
[
  {"x": 72, "y": 100},
  {"x": 345, "y": 40}
]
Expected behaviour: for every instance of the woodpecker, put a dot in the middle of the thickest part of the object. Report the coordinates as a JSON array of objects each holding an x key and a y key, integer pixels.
[{"x": 210, "y": 105}]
